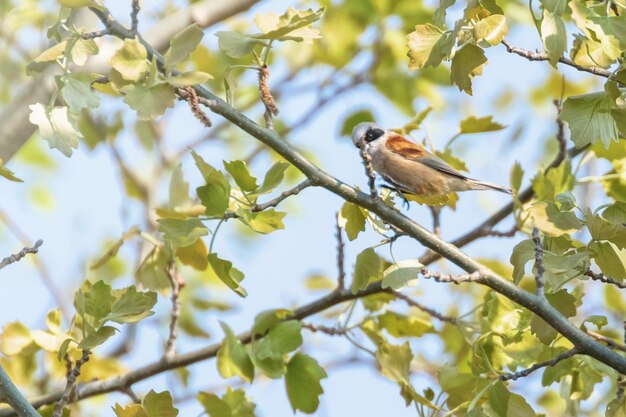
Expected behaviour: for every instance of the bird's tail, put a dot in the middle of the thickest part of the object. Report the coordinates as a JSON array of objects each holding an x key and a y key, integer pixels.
[{"x": 480, "y": 185}]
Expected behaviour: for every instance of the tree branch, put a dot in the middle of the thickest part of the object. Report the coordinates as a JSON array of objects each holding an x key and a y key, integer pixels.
[
  {"x": 392, "y": 216},
  {"x": 284, "y": 195},
  {"x": 455, "y": 279},
  {"x": 525, "y": 372},
  {"x": 538, "y": 56},
  {"x": 16, "y": 257},
  {"x": 603, "y": 278},
  {"x": 341, "y": 272},
  {"x": 538, "y": 263},
  {"x": 66, "y": 397},
  {"x": 411, "y": 302},
  {"x": 177, "y": 283},
  {"x": 10, "y": 394}
]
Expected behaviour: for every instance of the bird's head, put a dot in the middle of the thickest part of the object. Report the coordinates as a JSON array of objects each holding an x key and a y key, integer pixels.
[{"x": 366, "y": 131}]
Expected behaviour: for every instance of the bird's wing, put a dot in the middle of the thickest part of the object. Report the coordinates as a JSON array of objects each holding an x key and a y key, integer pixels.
[{"x": 409, "y": 150}]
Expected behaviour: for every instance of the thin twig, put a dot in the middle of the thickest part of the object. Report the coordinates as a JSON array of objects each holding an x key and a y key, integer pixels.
[
  {"x": 599, "y": 276},
  {"x": 341, "y": 272},
  {"x": 69, "y": 385},
  {"x": 538, "y": 56},
  {"x": 134, "y": 16},
  {"x": 455, "y": 279},
  {"x": 411, "y": 302},
  {"x": 16, "y": 257},
  {"x": 538, "y": 263},
  {"x": 131, "y": 394},
  {"x": 331, "y": 331},
  {"x": 284, "y": 195},
  {"x": 94, "y": 35},
  {"x": 177, "y": 283},
  {"x": 560, "y": 133},
  {"x": 609, "y": 342},
  {"x": 525, "y": 372}
]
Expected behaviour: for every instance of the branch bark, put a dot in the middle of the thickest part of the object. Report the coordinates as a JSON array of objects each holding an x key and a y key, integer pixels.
[
  {"x": 536, "y": 304},
  {"x": 10, "y": 394}
]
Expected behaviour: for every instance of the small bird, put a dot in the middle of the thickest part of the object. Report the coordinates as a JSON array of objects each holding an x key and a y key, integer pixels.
[{"x": 410, "y": 168}]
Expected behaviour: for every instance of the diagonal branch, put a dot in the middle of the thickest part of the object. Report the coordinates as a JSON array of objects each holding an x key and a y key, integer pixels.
[
  {"x": 72, "y": 375},
  {"x": 283, "y": 196},
  {"x": 525, "y": 372},
  {"x": 10, "y": 394},
  {"x": 411, "y": 302},
  {"x": 390, "y": 215},
  {"x": 599, "y": 276},
  {"x": 538, "y": 56},
  {"x": 538, "y": 262},
  {"x": 16, "y": 257}
]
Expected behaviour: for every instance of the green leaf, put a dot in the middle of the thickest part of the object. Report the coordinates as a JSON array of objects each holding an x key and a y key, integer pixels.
[
  {"x": 550, "y": 220},
  {"x": 439, "y": 15},
  {"x": 213, "y": 405},
  {"x": 232, "y": 404},
  {"x": 395, "y": 364},
  {"x": 227, "y": 274},
  {"x": 194, "y": 255},
  {"x": 491, "y": 29},
  {"x": 266, "y": 320},
  {"x": 215, "y": 194},
  {"x": 182, "y": 45},
  {"x": 517, "y": 174},
  {"x": 302, "y": 381},
  {"x": 352, "y": 219},
  {"x": 399, "y": 274},
  {"x": 293, "y": 25},
  {"x": 132, "y": 306},
  {"x": 159, "y": 404},
  {"x": 78, "y": 3},
  {"x": 152, "y": 270},
  {"x": 557, "y": 180},
  {"x": 182, "y": 232},
  {"x": 273, "y": 177},
  {"x": 131, "y": 60},
  {"x": 283, "y": 338},
  {"x": 8, "y": 174},
  {"x": 400, "y": 325},
  {"x": 81, "y": 49},
  {"x": 96, "y": 301},
  {"x": 240, "y": 173},
  {"x": 53, "y": 53},
  {"x": 96, "y": 339},
  {"x": 589, "y": 53},
  {"x": 15, "y": 339},
  {"x": 609, "y": 31},
  {"x": 467, "y": 63},
  {"x": 473, "y": 124},
  {"x": 554, "y": 36},
  {"x": 589, "y": 119},
  {"x": 133, "y": 410},
  {"x": 523, "y": 252},
  {"x": 188, "y": 78},
  {"x": 354, "y": 119},
  {"x": 427, "y": 46},
  {"x": 616, "y": 213},
  {"x": 266, "y": 221},
  {"x": 57, "y": 126},
  {"x": 149, "y": 102},
  {"x": 77, "y": 93},
  {"x": 232, "y": 357},
  {"x": 610, "y": 259},
  {"x": 367, "y": 269},
  {"x": 235, "y": 44},
  {"x": 601, "y": 229},
  {"x": 205, "y": 169}
]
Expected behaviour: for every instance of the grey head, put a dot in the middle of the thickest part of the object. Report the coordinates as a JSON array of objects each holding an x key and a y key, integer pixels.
[{"x": 367, "y": 130}]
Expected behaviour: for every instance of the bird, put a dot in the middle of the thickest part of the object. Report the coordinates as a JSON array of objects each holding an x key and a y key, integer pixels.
[{"x": 410, "y": 168}]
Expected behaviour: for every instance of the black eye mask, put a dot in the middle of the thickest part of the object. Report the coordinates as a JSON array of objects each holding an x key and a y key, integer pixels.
[{"x": 373, "y": 134}]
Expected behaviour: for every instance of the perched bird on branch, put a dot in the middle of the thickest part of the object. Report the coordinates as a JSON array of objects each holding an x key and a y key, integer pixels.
[{"x": 410, "y": 168}]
